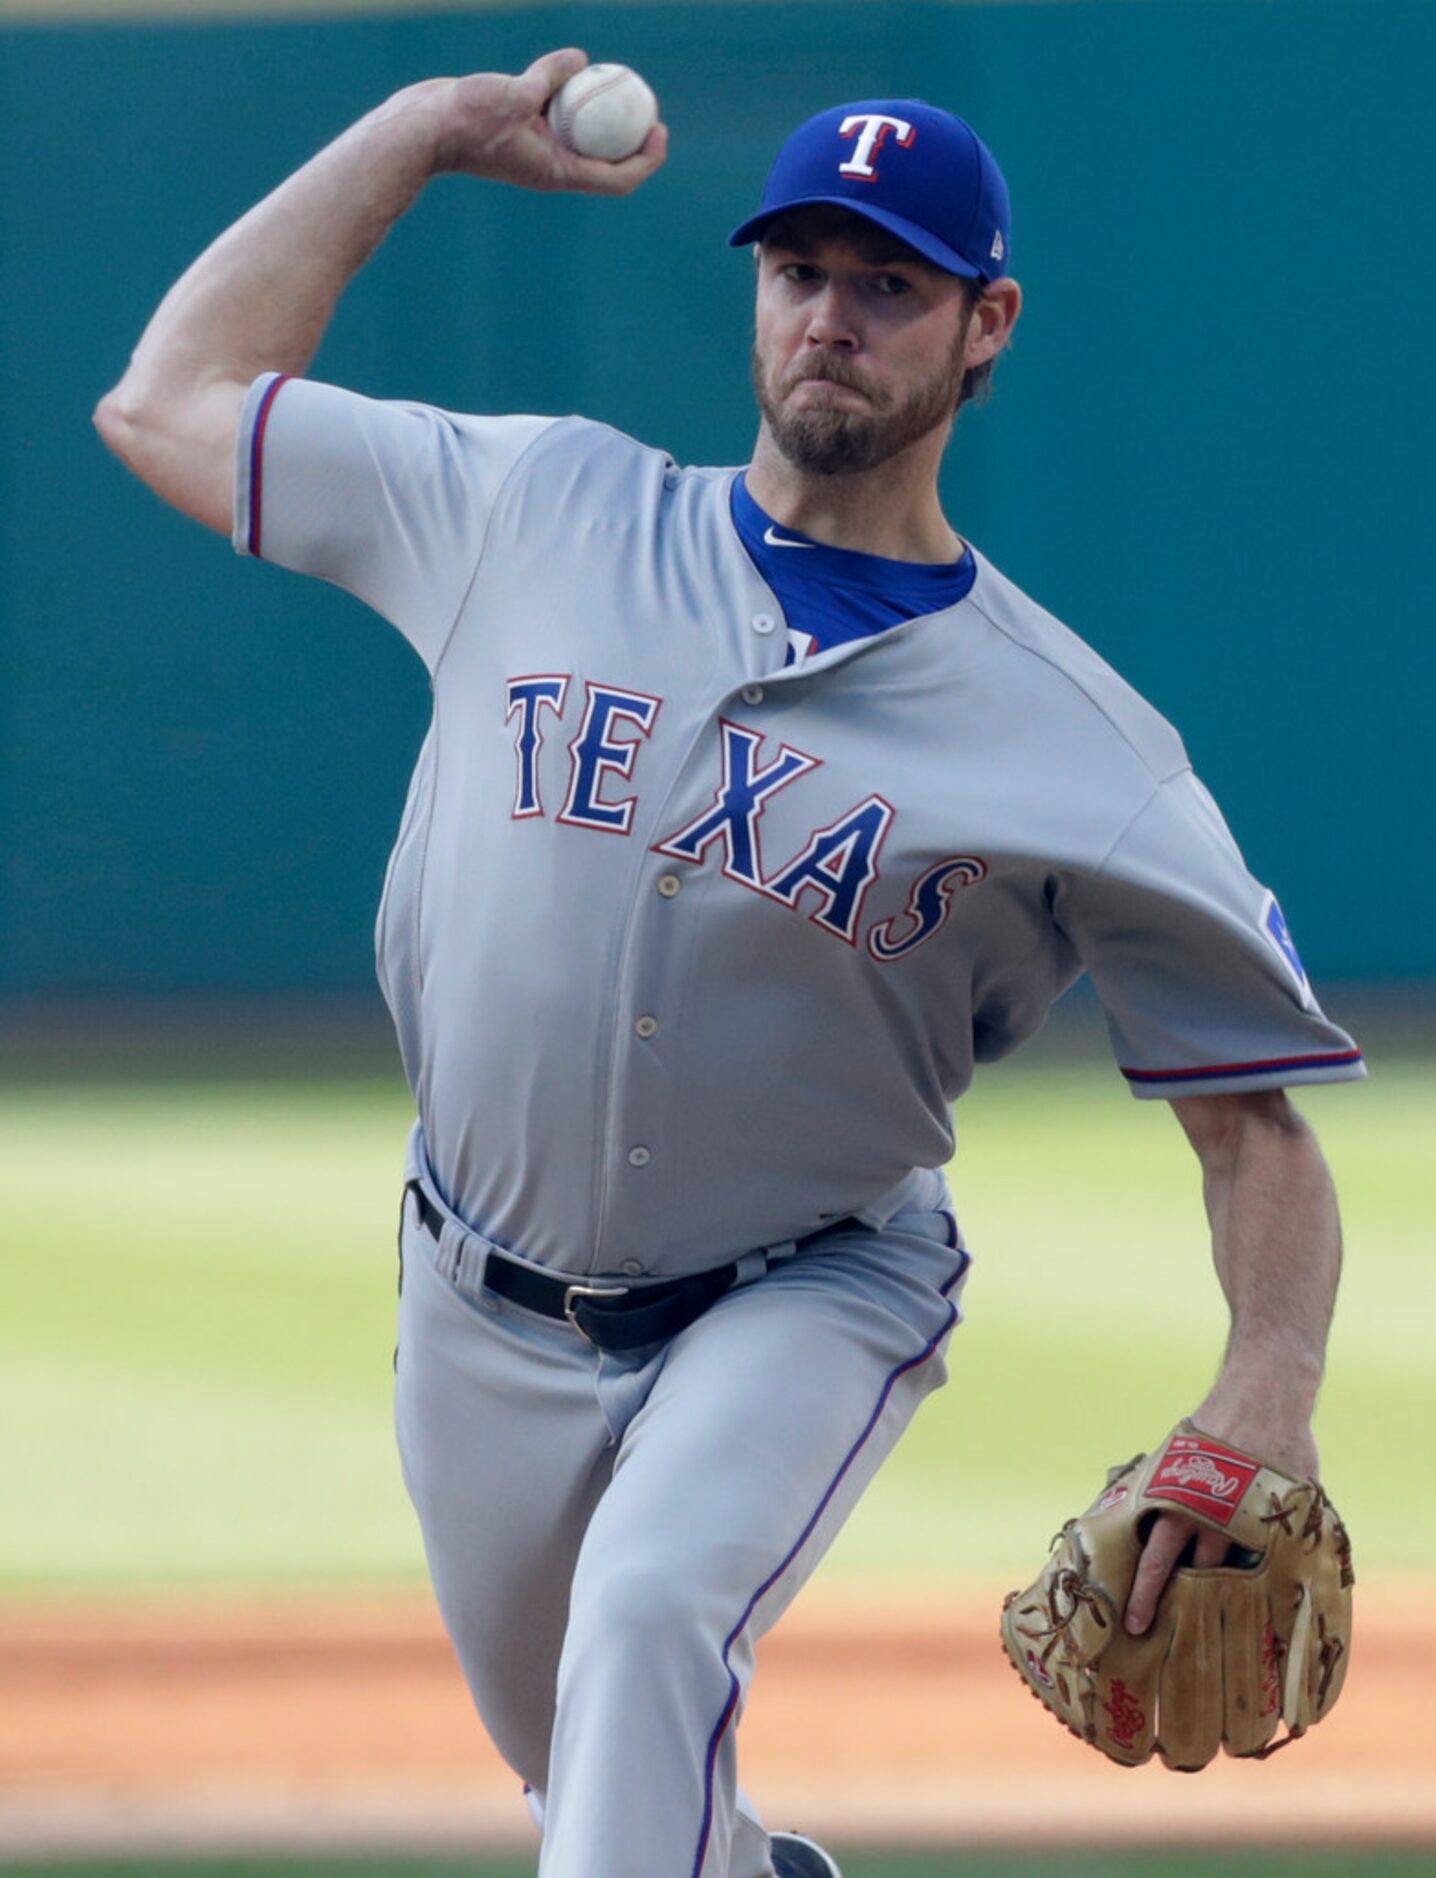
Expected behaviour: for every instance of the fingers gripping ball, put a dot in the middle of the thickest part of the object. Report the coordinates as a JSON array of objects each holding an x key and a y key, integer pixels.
[
  {"x": 1234, "y": 1651},
  {"x": 604, "y": 111}
]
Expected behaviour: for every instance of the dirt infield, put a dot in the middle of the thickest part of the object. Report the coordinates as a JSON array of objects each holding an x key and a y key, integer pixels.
[{"x": 345, "y": 1723}]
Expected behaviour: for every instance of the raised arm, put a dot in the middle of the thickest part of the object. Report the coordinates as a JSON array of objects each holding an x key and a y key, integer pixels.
[
  {"x": 1276, "y": 1241},
  {"x": 259, "y": 299}
]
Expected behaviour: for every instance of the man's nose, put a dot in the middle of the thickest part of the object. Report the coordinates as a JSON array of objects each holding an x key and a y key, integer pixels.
[{"x": 831, "y": 320}]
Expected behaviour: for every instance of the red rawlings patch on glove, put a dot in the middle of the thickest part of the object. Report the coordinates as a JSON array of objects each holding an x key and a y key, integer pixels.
[
  {"x": 1200, "y": 1473},
  {"x": 1128, "y": 1718}
]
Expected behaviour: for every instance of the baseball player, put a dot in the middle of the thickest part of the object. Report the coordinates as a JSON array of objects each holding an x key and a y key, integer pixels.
[{"x": 756, "y": 809}]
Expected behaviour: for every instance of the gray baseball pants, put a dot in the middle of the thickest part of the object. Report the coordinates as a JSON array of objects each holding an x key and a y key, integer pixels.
[{"x": 609, "y": 1535}]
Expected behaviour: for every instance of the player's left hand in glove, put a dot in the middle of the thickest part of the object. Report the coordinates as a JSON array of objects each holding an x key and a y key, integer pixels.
[{"x": 1234, "y": 1650}]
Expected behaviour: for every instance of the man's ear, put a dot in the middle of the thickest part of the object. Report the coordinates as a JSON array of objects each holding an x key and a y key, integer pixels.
[{"x": 993, "y": 318}]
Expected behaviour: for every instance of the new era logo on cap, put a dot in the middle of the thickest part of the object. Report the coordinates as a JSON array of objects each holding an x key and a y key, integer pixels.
[{"x": 919, "y": 172}]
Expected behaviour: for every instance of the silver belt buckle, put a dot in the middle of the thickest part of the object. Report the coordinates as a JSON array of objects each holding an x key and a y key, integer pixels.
[{"x": 572, "y": 1292}]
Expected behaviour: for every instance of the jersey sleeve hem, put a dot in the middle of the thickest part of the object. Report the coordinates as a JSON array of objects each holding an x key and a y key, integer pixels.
[
  {"x": 1232, "y": 1078},
  {"x": 248, "y": 532}
]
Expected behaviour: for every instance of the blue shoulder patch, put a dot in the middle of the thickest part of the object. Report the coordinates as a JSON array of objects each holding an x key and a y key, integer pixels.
[{"x": 1276, "y": 929}]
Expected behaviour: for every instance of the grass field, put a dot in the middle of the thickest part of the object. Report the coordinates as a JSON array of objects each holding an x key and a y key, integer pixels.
[{"x": 196, "y": 1323}]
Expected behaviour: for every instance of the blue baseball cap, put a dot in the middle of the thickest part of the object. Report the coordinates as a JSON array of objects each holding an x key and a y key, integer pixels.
[{"x": 917, "y": 171}]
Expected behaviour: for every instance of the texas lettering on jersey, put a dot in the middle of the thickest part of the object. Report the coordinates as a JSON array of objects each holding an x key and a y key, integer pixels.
[{"x": 838, "y": 863}]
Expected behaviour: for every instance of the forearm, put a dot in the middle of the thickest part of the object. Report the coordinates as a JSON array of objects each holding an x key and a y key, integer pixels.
[
  {"x": 1276, "y": 1244},
  {"x": 1276, "y": 1241},
  {"x": 260, "y": 297}
]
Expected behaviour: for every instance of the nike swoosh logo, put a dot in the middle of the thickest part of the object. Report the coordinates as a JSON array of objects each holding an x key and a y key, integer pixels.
[{"x": 781, "y": 541}]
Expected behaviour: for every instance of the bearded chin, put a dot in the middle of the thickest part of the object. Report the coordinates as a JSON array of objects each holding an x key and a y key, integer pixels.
[
  {"x": 829, "y": 443},
  {"x": 845, "y": 443}
]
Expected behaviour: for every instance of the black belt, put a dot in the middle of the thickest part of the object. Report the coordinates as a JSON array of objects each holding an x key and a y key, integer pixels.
[{"x": 611, "y": 1317}]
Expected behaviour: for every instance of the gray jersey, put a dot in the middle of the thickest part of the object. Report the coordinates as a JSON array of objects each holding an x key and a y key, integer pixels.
[{"x": 689, "y": 950}]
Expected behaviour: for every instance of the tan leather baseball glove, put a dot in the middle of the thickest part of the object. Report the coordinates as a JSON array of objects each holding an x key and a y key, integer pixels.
[{"x": 1233, "y": 1651}]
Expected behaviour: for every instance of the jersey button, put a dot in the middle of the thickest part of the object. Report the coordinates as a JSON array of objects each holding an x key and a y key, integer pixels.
[
  {"x": 639, "y": 1157},
  {"x": 647, "y": 1026},
  {"x": 668, "y": 885},
  {"x": 632, "y": 1268},
  {"x": 763, "y": 622},
  {"x": 752, "y": 694}
]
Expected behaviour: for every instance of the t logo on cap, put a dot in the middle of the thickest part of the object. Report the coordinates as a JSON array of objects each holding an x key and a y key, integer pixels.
[
  {"x": 872, "y": 129},
  {"x": 946, "y": 198}
]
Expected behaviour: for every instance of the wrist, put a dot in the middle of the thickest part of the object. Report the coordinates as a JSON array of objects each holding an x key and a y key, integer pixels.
[
  {"x": 413, "y": 124},
  {"x": 1284, "y": 1380},
  {"x": 1269, "y": 1420}
]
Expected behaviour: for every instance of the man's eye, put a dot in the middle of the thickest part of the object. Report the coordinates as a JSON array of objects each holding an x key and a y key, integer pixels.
[
  {"x": 893, "y": 284},
  {"x": 800, "y": 270}
]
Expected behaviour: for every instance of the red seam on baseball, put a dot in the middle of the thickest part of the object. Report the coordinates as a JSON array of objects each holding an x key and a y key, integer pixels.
[{"x": 570, "y": 112}]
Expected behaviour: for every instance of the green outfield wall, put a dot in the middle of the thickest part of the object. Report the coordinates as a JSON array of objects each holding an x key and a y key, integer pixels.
[{"x": 1209, "y": 450}]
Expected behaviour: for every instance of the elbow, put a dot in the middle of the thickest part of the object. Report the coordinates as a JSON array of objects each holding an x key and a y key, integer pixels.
[
  {"x": 119, "y": 420},
  {"x": 137, "y": 416},
  {"x": 177, "y": 442},
  {"x": 136, "y": 428}
]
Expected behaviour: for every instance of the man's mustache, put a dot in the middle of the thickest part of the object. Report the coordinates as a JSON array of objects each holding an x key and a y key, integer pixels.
[{"x": 833, "y": 371}]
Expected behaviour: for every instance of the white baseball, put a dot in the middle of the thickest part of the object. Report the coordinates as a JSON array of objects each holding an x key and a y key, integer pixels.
[{"x": 604, "y": 111}]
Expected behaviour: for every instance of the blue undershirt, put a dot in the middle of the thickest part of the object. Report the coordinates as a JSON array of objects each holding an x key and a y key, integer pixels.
[{"x": 833, "y": 595}]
